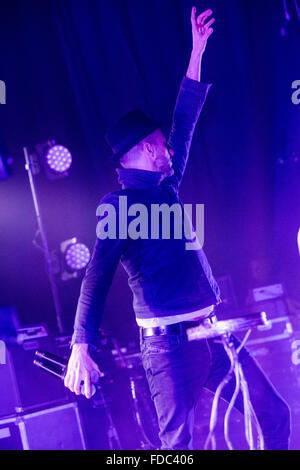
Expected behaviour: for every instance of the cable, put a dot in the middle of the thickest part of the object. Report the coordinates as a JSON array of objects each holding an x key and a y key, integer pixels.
[
  {"x": 247, "y": 411},
  {"x": 214, "y": 412},
  {"x": 250, "y": 414},
  {"x": 250, "y": 418},
  {"x": 231, "y": 404},
  {"x": 112, "y": 431},
  {"x": 243, "y": 342}
]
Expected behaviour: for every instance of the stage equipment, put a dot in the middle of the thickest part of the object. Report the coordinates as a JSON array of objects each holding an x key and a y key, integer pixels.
[
  {"x": 270, "y": 299},
  {"x": 223, "y": 330},
  {"x": 273, "y": 291},
  {"x": 57, "y": 366},
  {"x": 33, "y": 169},
  {"x": 55, "y": 159},
  {"x": 57, "y": 428},
  {"x": 75, "y": 257},
  {"x": 129, "y": 362},
  {"x": 22, "y": 389},
  {"x": 123, "y": 403},
  {"x": 58, "y": 159},
  {"x": 277, "y": 350}
]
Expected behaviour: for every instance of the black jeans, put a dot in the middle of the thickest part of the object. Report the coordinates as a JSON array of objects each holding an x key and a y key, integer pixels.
[{"x": 177, "y": 370}]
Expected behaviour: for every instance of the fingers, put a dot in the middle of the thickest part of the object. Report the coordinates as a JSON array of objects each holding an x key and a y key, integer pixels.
[
  {"x": 193, "y": 18},
  {"x": 207, "y": 25},
  {"x": 203, "y": 17},
  {"x": 209, "y": 32},
  {"x": 69, "y": 380},
  {"x": 73, "y": 380},
  {"x": 96, "y": 368},
  {"x": 79, "y": 373},
  {"x": 198, "y": 23},
  {"x": 87, "y": 386},
  {"x": 77, "y": 383}
]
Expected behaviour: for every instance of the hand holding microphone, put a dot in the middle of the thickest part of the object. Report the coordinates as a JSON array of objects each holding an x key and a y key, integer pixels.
[
  {"x": 82, "y": 371},
  {"x": 79, "y": 374}
]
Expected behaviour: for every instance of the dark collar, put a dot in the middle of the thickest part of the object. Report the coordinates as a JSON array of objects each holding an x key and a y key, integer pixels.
[{"x": 138, "y": 179}]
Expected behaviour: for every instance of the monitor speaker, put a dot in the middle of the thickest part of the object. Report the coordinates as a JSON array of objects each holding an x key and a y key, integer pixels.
[{"x": 24, "y": 386}]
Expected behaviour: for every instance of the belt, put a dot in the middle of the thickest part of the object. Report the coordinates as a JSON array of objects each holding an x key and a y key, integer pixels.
[{"x": 176, "y": 328}]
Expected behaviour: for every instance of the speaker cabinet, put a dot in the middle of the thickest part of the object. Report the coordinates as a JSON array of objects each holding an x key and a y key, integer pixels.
[
  {"x": 24, "y": 386},
  {"x": 57, "y": 428}
]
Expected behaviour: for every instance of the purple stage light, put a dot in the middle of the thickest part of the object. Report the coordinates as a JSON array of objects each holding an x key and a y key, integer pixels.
[
  {"x": 58, "y": 159},
  {"x": 77, "y": 256}
]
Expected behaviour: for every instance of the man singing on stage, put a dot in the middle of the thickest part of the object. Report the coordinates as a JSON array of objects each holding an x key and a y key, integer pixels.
[{"x": 173, "y": 287}]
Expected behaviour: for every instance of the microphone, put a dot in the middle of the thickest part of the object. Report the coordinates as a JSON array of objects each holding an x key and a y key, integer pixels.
[{"x": 57, "y": 366}]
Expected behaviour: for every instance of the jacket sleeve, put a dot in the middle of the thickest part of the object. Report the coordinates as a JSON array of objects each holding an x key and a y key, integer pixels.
[
  {"x": 96, "y": 283},
  {"x": 190, "y": 101}
]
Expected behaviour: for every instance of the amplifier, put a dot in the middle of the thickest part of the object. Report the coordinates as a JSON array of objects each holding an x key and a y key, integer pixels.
[
  {"x": 57, "y": 428},
  {"x": 276, "y": 329},
  {"x": 279, "y": 359},
  {"x": 273, "y": 291},
  {"x": 23, "y": 386},
  {"x": 274, "y": 307}
]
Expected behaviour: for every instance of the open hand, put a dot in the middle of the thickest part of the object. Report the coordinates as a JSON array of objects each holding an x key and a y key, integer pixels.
[{"x": 201, "y": 29}]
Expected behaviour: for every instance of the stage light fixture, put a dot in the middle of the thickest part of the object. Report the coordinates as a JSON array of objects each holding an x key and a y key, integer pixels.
[
  {"x": 55, "y": 159},
  {"x": 58, "y": 159},
  {"x": 75, "y": 258}
]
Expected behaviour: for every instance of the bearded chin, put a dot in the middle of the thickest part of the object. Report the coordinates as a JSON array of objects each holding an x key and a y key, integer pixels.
[
  {"x": 165, "y": 169},
  {"x": 169, "y": 172}
]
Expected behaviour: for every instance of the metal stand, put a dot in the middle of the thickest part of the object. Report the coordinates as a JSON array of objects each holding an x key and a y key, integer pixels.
[
  {"x": 145, "y": 443},
  {"x": 250, "y": 418},
  {"x": 45, "y": 247},
  {"x": 112, "y": 434}
]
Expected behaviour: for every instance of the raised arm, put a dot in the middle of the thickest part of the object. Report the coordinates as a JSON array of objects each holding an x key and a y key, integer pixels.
[{"x": 191, "y": 98}]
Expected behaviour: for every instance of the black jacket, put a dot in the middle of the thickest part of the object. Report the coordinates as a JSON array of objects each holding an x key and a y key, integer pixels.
[{"x": 165, "y": 278}]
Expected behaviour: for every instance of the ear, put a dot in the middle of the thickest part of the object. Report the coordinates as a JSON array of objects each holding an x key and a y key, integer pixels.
[{"x": 149, "y": 150}]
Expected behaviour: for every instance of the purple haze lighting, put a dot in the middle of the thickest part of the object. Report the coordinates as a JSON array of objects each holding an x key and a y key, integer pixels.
[
  {"x": 58, "y": 158},
  {"x": 77, "y": 256}
]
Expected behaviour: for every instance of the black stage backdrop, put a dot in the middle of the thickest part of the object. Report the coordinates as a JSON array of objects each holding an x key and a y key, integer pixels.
[{"x": 73, "y": 67}]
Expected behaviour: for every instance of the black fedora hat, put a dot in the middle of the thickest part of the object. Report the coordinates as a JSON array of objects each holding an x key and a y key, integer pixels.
[{"x": 129, "y": 131}]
